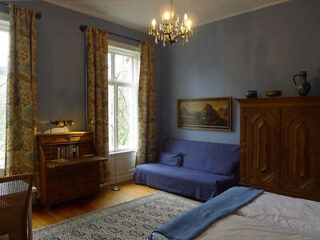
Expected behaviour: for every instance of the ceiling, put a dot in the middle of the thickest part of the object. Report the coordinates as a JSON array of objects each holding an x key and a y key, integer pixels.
[{"x": 137, "y": 14}]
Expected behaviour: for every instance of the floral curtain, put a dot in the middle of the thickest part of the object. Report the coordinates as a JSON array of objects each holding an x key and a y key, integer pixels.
[
  {"x": 147, "y": 108},
  {"x": 97, "y": 92},
  {"x": 21, "y": 129}
]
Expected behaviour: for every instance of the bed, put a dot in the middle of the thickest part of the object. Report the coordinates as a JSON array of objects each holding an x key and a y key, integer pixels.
[{"x": 269, "y": 216}]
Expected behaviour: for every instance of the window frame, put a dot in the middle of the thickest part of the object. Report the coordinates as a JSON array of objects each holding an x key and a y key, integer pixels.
[
  {"x": 134, "y": 52},
  {"x": 4, "y": 27}
]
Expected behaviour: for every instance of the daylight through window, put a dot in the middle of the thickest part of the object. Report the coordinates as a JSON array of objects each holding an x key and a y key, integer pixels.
[
  {"x": 4, "y": 60},
  {"x": 123, "y": 74}
]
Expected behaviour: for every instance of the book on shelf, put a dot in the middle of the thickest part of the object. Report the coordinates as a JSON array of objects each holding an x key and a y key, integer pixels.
[{"x": 68, "y": 151}]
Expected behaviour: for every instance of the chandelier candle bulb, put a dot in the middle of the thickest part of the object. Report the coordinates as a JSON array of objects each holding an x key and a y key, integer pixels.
[
  {"x": 166, "y": 16},
  {"x": 171, "y": 29},
  {"x": 153, "y": 24},
  {"x": 189, "y": 24}
]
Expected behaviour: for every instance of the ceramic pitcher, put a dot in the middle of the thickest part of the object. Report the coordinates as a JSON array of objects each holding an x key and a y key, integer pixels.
[{"x": 302, "y": 85}]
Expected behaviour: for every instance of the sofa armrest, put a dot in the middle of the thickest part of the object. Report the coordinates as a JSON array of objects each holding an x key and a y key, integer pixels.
[
  {"x": 236, "y": 170},
  {"x": 224, "y": 185}
]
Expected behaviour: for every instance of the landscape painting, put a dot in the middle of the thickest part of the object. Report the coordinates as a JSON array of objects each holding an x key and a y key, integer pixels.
[{"x": 205, "y": 113}]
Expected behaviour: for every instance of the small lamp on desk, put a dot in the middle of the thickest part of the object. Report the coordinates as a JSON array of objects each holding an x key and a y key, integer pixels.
[
  {"x": 58, "y": 125},
  {"x": 62, "y": 123}
]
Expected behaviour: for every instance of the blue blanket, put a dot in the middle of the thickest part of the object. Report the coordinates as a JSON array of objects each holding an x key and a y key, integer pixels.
[{"x": 191, "y": 224}]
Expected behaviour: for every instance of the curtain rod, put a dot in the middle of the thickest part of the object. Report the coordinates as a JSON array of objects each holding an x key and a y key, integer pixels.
[
  {"x": 38, "y": 14},
  {"x": 83, "y": 28}
]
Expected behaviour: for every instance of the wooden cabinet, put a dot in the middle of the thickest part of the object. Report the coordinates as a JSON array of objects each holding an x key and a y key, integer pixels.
[
  {"x": 260, "y": 144},
  {"x": 69, "y": 168},
  {"x": 301, "y": 150},
  {"x": 280, "y": 145}
]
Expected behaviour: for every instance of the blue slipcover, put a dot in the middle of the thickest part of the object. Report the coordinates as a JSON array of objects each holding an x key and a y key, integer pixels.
[
  {"x": 173, "y": 159},
  {"x": 207, "y": 170},
  {"x": 182, "y": 181},
  {"x": 211, "y": 157}
]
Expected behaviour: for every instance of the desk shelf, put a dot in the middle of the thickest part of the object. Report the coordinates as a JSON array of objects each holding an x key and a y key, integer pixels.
[{"x": 56, "y": 163}]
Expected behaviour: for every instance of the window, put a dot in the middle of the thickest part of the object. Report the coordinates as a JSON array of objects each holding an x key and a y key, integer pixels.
[
  {"x": 4, "y": 60},
  {"x": 123, "y": 74}
]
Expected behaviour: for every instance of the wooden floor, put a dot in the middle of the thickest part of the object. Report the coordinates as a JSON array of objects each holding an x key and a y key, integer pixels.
[{"x": 129, "y": 191}]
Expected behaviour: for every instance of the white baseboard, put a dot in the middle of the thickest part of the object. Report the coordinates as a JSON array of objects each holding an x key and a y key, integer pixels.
[
  {"x": 121, "y": 177},
  {"x": 124, "y": 166}
]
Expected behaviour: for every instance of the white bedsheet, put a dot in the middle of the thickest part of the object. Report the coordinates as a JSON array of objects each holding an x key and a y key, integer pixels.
[
  {"x": 268, "y": 217},
  {"x": 293, "y": 214},
  {"x": 236, "y": 227}
]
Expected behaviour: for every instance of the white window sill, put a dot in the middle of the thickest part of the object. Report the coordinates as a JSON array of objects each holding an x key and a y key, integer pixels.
[{"x": 123, "y": 151}]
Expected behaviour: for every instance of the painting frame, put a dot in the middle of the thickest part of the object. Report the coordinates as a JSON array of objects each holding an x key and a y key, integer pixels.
[{"x": 226, "y": 124}]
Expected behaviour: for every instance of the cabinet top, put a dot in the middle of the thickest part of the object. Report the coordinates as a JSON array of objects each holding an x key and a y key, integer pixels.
[{"x": 281, "y": 101}]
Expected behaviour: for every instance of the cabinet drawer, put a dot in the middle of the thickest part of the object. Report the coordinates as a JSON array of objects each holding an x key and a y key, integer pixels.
[
  {"x": 71, "y": 182},
  {"x": 87, "y": 188},
  {"x": 60, "y": 183},
  {"x": 59, "y": 196}
]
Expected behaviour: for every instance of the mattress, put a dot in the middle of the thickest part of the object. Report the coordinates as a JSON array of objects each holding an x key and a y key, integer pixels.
[
  {"x": 292, "y": 214},
  {"x": 236, "y": 227},
  {"x": 269, "y": 216}
]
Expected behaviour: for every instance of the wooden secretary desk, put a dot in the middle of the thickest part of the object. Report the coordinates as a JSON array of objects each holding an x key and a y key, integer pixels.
[
  {"x": 280, "y": 145},
  {"x": 69, "y": 167}
]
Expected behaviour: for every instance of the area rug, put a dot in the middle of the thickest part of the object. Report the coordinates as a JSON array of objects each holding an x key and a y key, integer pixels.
[{"x": 127, "y": 221}]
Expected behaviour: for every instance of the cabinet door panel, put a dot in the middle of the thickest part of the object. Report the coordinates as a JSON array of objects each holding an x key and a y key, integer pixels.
[
  {"x": 301, "y": 150},
  {"x": 261, "y": 146}
]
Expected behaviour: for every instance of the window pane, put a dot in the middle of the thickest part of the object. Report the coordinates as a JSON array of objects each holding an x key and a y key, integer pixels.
[
  {"x": 123, "y": 80},
  {"x": 123, "y": 68},
  {"x": 109, "y": 66},
  {"x": 4, "y": 49},
  {"x": 3, "y": 95},
  {"x": 111, "y": 117},
  {"x": 136, "y": 71},
  {"x": 125, "y": 118},
  {"x": 4, "y": 58}
]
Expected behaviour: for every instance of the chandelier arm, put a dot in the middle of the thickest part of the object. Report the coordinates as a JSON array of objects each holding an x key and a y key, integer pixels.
[{"x": 171, "y": 30}]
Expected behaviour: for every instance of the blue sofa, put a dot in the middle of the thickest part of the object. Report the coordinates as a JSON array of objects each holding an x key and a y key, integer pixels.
[{"x": 207, "y": 169}]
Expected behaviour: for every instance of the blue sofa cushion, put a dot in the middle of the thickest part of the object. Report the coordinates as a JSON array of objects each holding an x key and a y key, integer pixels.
[
  {"x": 173, "y": 159},
  {"x": 183, "y": 181},
  {"x": 211, "y": 157}
]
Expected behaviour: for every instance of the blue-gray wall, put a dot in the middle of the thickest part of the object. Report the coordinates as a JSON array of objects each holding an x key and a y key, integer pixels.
[
  {"x": 259, "y": 50},
  {"x": 60, "y": 61}
]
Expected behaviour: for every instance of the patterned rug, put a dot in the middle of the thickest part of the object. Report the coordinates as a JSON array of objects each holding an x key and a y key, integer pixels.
[{"x": 131, "y": 220}]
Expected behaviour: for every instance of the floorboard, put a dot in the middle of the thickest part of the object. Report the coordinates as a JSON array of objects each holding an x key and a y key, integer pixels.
[{"x": 43, "y": 217}]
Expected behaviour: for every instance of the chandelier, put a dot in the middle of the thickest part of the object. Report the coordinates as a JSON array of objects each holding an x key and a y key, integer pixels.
[{"x": 171, "y": 29}]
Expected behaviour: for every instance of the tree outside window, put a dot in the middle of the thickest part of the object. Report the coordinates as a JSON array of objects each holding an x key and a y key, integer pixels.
[
  {"x": 123, "y": 66},
  {"x": 4, "y": 61}
]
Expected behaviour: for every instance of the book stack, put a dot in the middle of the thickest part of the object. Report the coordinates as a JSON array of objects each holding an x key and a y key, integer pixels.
[{"x": 68, "y": 151}]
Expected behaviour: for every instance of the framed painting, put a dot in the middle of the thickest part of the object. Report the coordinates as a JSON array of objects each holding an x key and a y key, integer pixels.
[{"x": 205, "y": 113}]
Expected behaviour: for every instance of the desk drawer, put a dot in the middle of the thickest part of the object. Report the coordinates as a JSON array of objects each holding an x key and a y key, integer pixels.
[{"x": 71, "y": 182}]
